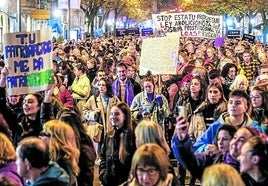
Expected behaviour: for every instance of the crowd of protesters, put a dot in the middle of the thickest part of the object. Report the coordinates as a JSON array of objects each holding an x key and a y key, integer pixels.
[{"x": 101, "y": 113}]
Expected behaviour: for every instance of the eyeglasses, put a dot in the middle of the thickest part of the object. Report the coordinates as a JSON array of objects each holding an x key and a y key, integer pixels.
[
  {"x": 121, "y": 71},
  {"x": 43, "y": 134},
  {"x": 256, "y": 97},
  {"x": 150, "y": 172}
]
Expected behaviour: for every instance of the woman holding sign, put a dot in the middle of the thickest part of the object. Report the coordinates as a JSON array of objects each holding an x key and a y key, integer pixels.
[{"x": 37, "y": 109}]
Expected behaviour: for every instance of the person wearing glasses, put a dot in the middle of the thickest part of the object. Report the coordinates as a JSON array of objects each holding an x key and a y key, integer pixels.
[
  {"x": 150, "y": 167},
  {"x": 125, "y": 88},
  {"x": 259, "y": 100},
  {"x": 236, "y": 115}
]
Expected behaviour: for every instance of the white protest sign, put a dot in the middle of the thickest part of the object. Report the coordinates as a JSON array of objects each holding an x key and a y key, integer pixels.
[
  {"x": 189, "y": 24},
  {"x": 159, "y": 55},
  {"x": 29, "y": 59}
]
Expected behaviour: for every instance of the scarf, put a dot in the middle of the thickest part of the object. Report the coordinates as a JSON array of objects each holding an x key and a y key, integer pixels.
[
  {"x": 228, "y": 81},
  {"x": 231, "y": 161},
  {"x": 129, "y": 90}
]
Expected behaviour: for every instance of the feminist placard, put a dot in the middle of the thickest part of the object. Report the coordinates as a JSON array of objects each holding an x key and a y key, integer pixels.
[
  {"x": 189, "y": 24},
  {"x": 159, "y": 55},
  {"x": 29, "y": 59}
]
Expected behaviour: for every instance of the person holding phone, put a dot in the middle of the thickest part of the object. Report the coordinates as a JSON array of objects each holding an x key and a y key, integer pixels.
[{"x": 197, "y": 162}]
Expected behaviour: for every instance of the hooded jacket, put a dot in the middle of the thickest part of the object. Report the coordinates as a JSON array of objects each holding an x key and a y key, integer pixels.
[
  {"x": 53, "y": 176},
  {"x": 196, "y": 163},
  {"x": 209, "y": 136}
]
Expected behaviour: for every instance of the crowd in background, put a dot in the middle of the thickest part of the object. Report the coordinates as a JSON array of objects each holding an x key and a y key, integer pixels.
[{"x": 100, "y": 111}]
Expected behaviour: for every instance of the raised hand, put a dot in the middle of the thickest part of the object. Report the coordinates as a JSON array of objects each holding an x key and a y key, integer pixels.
[
  {"x": 48, "y": 93},
  {"x": 4, "y": 74}
]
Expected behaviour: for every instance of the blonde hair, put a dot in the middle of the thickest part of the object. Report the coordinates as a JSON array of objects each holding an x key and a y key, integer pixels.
[
  {"x": 201, "y": 72},
  {"x": 221, "y": 175},
  {"x": 62, "y": 143},
  {"x": 150, "y": 132},
  {"x": 7, "y": 152},
  {"x": 239, "y": 79}
]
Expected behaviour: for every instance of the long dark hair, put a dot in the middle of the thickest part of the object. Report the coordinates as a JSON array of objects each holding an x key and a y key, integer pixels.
[
  {"x": 229, "y": 128},
  {"x": 226, "y": 67},
  {"x": 108, "y": 86},
  {"x": 203, "y": 86},
  {"x": 259, "y": 147},
  {"x": 127, "y": 136}
]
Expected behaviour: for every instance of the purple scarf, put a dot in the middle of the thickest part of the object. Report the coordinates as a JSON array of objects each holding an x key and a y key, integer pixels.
[
  {"x": 129, "y": 90},
  {"x": 231, "y": 161}
]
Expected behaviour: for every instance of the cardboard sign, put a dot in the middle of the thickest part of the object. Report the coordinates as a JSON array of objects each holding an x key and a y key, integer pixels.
[
  {"x": 29, "y": 59},
  {"x": 189, "y": 24},
  {"x": 159, "y": 55}
]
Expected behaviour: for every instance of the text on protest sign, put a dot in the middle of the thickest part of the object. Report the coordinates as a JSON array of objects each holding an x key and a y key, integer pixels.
[
  {"x": 159, "y": 55},
  {"x": 28, "y": 57},
  {"x": 189, "y": 24}
]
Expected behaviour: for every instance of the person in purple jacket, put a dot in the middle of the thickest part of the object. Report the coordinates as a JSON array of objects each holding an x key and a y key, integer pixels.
[{"x": 8, "y": 170}]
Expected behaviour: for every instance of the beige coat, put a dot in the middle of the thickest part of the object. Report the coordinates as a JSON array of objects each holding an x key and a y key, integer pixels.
[{"x": 94, "y": 103}]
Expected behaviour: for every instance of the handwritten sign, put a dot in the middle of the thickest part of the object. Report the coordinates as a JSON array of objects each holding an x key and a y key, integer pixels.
[
  {"x": 189, "y": 24},
  {"x": 159, "y": 55},
  {"x": 28, "y": 57},
  {"x": 249, "y": 38}
]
